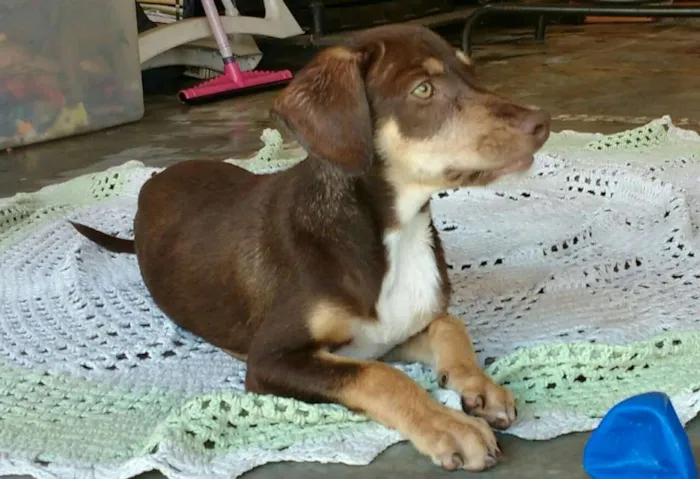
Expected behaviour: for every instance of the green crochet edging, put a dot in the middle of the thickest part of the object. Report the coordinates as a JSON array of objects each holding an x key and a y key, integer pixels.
[
  {"x": 61, "y": 410},
  {"x": 646, "y": 136},
  {"x": 216, "y": 423},
  {"x": 24, "y": 212},
  {"x": 57, "y": 417},
  {"x": 658, "y": 135},
  {"x": 558, "y": 377},
  {"x": 272, "y": 156},
  {"x": 221, "y": 422},
  {"x": 569, "y": 376}
]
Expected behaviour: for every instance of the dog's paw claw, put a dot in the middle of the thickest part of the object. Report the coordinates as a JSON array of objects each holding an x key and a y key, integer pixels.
[
  {"x": 456, "y": 441},
  {"x": 456, "y": 462},
  {"x": 470, "y": 402},
  {"x": 484, "y": 398}
]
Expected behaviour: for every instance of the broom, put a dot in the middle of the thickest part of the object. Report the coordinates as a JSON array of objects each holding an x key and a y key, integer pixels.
[{"x": 233, "y": 81}]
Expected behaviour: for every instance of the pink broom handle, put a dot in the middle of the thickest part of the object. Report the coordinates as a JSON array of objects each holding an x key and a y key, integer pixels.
[{"x": 218, "y": 30}]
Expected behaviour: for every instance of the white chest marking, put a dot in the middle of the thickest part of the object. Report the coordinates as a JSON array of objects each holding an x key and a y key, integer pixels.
[{"x": 410, "y": 296}]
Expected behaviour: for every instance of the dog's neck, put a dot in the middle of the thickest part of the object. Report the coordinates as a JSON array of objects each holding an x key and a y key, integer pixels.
[
  {"x": 323, "y": 195},
  {"x": 324, "y": 184},
  {"x": 410, "y": 202},
  {"x": 404, "y": 200},
  {"x": 330, "y": 190}
]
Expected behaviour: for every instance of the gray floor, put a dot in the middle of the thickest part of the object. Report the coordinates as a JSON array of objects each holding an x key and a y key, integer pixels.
[{"x": 591, "y": 70}]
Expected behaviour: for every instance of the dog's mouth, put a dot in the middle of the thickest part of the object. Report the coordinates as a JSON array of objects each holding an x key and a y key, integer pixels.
[
  {"x": 521, "y": 164},
  {"x": 483, "y": 177}
]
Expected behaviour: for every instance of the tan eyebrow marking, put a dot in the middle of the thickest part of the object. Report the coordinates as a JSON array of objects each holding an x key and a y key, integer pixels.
[{"x": 434, "y": 66}]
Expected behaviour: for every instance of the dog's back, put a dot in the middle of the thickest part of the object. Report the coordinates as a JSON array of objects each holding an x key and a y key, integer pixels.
[
  {"x": 219, "y": 247},
  {"x": 193, "y": 221}
]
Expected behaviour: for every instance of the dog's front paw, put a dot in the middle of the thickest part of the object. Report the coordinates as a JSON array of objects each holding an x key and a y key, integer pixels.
[
  {"x": 482, "y": 397},
  {"x": 456, "y": 441}
]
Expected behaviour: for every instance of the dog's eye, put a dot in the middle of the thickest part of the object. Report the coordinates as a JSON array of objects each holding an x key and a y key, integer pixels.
[{"x": 423, "y": 91}]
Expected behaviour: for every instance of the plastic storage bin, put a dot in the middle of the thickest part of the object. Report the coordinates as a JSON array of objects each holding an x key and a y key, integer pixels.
[{"x": 67, "y": 67}]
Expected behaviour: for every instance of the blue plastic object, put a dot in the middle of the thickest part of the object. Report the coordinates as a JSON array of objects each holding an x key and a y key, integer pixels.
[{"x": 640, "y": 438}]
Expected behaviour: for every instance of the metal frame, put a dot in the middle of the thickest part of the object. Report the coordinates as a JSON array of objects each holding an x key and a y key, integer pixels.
[
  {"x": 278, "y": 23},
  {"x": 631, "y": 9}
]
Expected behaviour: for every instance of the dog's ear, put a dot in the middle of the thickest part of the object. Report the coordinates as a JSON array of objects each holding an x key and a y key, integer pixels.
[{"x": 326, "y": 108}]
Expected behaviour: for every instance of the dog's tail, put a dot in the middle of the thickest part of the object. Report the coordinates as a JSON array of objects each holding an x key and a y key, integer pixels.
[{"x": 110, "y": 243}]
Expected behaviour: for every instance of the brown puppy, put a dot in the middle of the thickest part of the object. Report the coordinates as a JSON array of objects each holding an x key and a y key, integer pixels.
[{"x": 313, "y": 274}]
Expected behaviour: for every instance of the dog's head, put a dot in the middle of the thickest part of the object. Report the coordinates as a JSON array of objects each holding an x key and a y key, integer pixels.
[{"x": 403, "y": 97}]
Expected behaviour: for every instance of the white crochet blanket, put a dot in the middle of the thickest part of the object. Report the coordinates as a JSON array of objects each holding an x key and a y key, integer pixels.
[{"x": 579, "y": 283}]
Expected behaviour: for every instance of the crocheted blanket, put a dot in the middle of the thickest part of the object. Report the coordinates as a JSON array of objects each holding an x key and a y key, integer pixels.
[{"x": 579, "y": 282}]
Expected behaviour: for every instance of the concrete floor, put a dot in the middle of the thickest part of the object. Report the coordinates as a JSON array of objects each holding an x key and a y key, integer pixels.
[{"x": 619, "y": 71}]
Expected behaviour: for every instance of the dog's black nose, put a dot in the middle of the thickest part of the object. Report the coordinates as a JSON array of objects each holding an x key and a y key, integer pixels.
[{"x": 536, "y": 123}]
